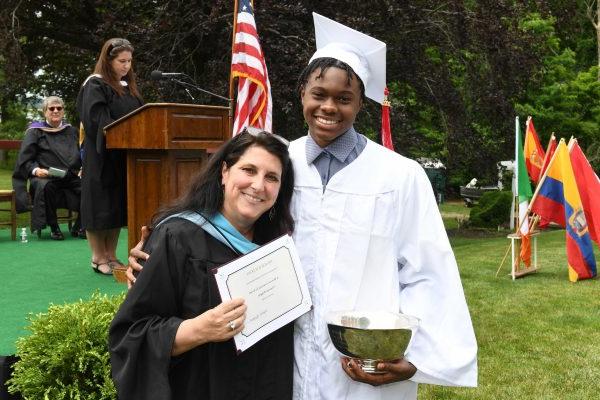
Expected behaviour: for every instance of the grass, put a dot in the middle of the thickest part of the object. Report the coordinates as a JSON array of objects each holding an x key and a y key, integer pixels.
[
  {"x": 538, "y": 336},
  {"x": 454, "y": 213},
  {"x": 454, "y": 207}
]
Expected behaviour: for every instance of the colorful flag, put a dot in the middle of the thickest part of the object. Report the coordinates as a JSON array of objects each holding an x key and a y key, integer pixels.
[
  {"x": 386, "y": 130},
  {"x": 254, "y": 104},
  {"x": 550, "y": 149},
  {"x": 558, "y": 193},
  {"x": 534, "y": 154},
  {"x": 524, "y": 195},
  {"x": 589, "y": 189}
]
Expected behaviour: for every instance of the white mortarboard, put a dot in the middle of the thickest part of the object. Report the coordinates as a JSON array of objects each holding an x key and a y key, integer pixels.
[{"x": 366, "y": 55}]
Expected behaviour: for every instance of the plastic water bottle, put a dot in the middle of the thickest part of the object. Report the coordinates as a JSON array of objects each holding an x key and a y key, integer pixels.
[{"x": 23, "y": 235}]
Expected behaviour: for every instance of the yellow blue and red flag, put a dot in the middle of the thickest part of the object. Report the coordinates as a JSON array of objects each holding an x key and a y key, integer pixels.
[
  {"x": 589, "y": 189},
  {"x": 558, "y": 200}
]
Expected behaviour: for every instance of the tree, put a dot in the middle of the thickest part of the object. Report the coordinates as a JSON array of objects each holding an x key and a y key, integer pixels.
[
  {"x": 455, "y": 69},
  {"x": 593, "y": 13}
]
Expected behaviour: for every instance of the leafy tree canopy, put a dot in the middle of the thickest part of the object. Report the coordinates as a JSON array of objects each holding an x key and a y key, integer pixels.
[{"x": 458, "y": 71}]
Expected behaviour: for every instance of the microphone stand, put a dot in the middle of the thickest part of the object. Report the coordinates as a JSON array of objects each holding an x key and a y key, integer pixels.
[
  {"x": 195, "y": 87},
  {"x": 187, "y": 85}
]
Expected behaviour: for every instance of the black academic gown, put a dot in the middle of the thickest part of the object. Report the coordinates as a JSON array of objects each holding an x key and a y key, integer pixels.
[
  {"x": 177, "y": 284},
  {"x": 41, "y": 149},
  {"x": 104, "y": 178}
]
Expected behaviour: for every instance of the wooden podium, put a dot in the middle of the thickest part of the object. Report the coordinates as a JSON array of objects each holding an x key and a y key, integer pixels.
[{"x": 166, "y": 146}]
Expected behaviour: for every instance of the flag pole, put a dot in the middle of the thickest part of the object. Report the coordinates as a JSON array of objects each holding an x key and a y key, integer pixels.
[
  {"x": 517, "y": 223},
  {"x": 515, "y": 193},
  {"x": 572, "y": 142},
  {"x": 235, "y": 13},
  {"x": 231, "y": 88},
  {"x": 548, "y": 148},
  {"x": 516, "y": 171}
]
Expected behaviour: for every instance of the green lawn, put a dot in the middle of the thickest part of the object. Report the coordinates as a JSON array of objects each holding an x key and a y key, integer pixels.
[
  {"x": 454, "y": 213},
  {"x": 454, "y": 207},
  {"x": 538, "y": 336}
]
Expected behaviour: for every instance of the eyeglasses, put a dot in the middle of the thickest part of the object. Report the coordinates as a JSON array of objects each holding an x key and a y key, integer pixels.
[
  {"x": 57, "y": 108},
  {"x": 119, "y": 44},
  {"x": 256, "y": 132}
]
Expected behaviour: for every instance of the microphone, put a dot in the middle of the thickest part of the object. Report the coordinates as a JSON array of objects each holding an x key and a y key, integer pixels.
[
  {"x": 158, "y": 75},
  {"x": 173, "y": 76}
]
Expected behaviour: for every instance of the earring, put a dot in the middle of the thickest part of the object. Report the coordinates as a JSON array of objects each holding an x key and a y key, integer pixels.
[{"x": 272, "y": 213}]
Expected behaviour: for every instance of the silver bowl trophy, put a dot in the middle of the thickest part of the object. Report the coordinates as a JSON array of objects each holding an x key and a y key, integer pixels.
[{"x": 371, "y": 336}]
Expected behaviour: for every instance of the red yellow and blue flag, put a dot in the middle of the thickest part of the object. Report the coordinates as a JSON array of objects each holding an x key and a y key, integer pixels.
[
  {"x": 533, "y": 152},
  {"x": 557, "y": 199}
]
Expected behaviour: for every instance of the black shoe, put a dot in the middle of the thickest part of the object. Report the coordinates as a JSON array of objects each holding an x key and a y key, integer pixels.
[
  {"x": 80, "y": 233},
  {"x": 96, "y": 268},
  {"x": 57, "y": 235}
]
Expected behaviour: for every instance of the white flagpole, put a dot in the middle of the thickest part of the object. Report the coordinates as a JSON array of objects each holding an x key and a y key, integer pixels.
[{"x": 515, "y": 181}]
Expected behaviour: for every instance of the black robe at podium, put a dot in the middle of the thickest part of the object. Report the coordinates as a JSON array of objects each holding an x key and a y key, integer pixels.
[
  {"x": 104, "y": 178},
  {"x": 177, "y": 284}
]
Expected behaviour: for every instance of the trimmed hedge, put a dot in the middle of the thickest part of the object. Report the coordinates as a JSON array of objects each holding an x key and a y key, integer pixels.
[
  {"x": 66, "y": 354},
  {"x": 492, "y": 210}
]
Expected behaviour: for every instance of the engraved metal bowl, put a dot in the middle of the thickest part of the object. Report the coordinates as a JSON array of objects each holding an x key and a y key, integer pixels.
[{"x": 371, "y": 336}]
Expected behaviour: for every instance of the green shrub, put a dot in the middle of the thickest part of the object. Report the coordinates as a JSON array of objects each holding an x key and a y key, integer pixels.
[
  {"x": 66, "y": 354},
  {"x": 492, "y": 210}
]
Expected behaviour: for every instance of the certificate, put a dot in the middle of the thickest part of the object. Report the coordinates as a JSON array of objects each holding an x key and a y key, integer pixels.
[
  {"x": 56, "y": 172},
  {"x": 271, "y": 281}
]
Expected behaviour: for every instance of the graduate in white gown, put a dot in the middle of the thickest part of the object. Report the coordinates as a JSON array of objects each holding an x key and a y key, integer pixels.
[{"x": 369, "y": 235}]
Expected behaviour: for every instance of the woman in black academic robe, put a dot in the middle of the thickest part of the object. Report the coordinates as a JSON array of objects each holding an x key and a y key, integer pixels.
[
  {"x": 243, "y": 194},
  {"x": 105, "y": 96},
  {"x": 49, "y": 144}
]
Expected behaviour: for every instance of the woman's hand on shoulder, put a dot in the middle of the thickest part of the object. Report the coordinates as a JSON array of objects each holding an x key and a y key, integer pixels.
[{"x": 136, "y": 254}]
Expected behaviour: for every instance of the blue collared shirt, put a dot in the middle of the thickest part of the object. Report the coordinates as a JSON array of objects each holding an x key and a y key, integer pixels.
[{"x": 337, "y": 155}]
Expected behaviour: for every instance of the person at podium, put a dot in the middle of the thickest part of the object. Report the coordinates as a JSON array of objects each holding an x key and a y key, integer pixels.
[
  {"x": 172, "y": 336},
  {"x": 105, "y": 96}
]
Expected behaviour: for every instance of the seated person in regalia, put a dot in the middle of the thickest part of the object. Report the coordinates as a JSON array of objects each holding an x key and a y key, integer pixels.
[{"x": 49, "y": 158}]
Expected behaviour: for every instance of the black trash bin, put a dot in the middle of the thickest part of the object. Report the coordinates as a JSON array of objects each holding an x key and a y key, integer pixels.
[{"x": 436, "y": 172}]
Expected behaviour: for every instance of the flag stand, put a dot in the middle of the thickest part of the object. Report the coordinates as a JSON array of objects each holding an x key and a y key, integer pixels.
[{"x": 517, "y": 270}]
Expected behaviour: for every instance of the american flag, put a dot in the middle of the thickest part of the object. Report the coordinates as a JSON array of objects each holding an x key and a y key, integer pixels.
[{"x": 254, "y": 105}]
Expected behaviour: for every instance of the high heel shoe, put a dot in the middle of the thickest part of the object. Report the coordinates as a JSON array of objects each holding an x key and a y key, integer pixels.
[{"x": 96, "y": 268}]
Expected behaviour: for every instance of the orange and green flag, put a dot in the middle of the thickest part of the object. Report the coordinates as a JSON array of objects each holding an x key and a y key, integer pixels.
[{"x": 524, "y": 195}]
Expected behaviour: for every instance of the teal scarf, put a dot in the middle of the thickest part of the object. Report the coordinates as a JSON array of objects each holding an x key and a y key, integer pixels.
[{"x": 218, "y": 227}]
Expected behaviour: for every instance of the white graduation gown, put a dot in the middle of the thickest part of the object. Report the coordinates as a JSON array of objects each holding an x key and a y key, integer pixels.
[{"x": 374, "y": 240}]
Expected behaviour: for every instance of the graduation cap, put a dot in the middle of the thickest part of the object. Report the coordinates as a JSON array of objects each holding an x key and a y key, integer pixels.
[{"x": 366, "y": 55}]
